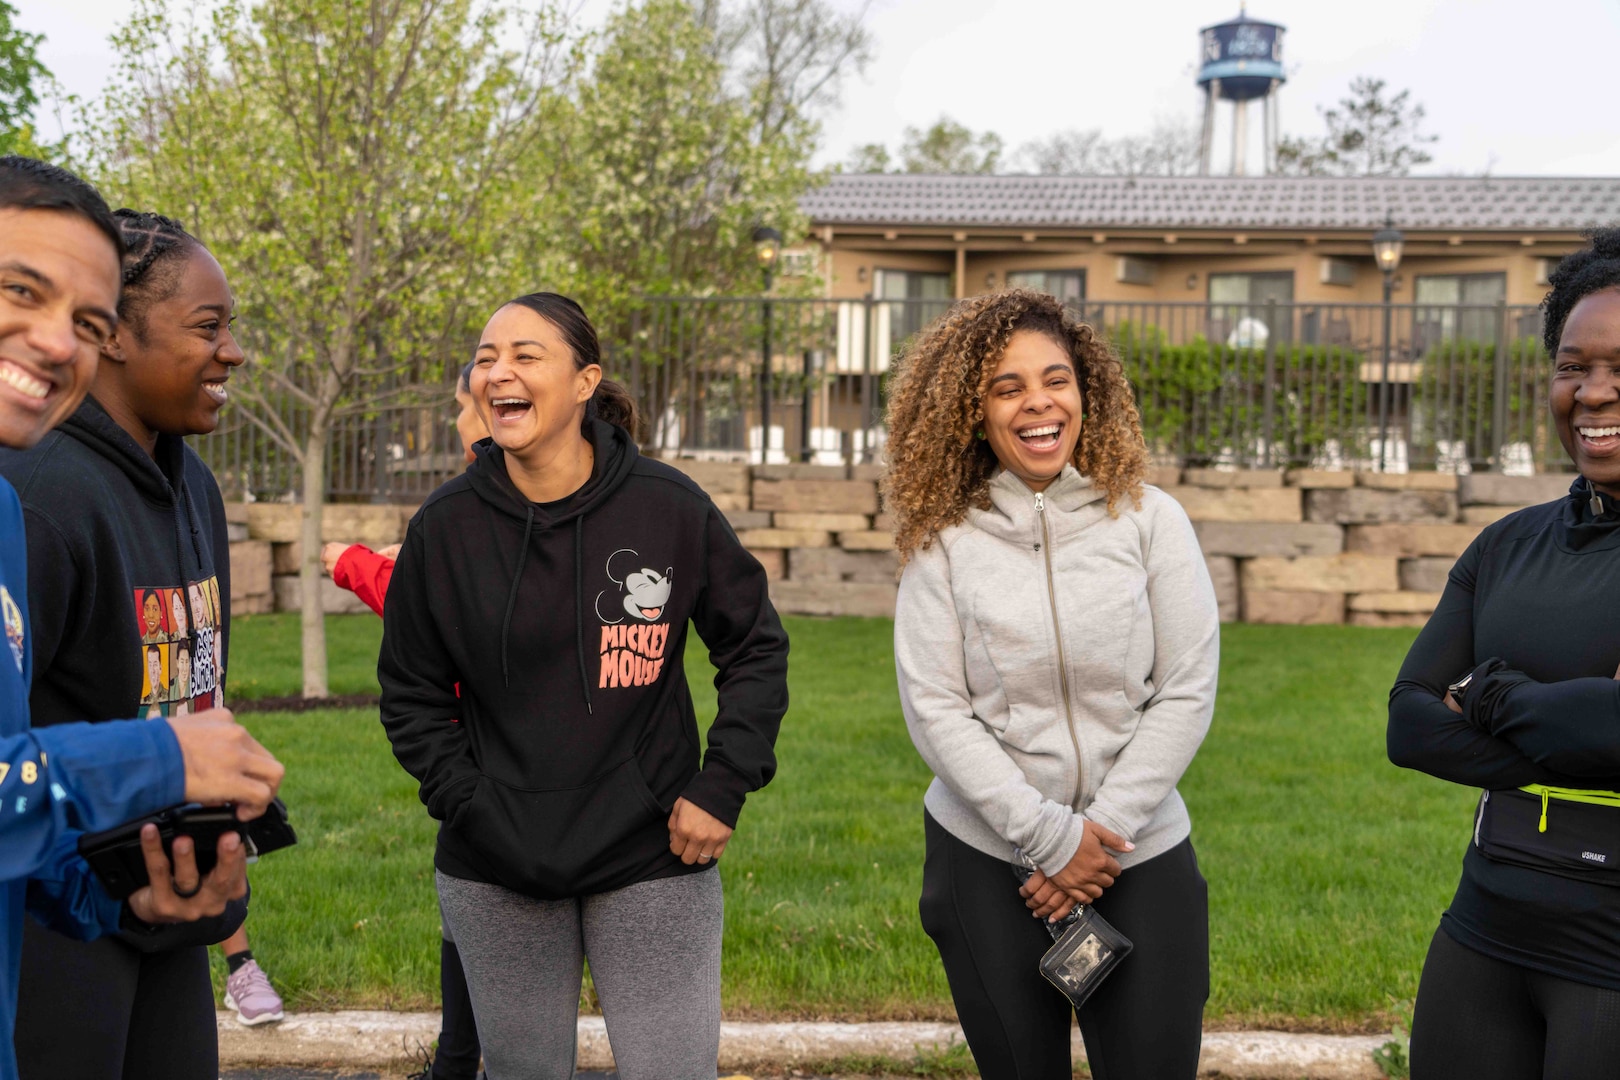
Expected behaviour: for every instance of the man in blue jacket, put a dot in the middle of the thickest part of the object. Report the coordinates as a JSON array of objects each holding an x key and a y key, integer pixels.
[{"x": 59, "y": 281}]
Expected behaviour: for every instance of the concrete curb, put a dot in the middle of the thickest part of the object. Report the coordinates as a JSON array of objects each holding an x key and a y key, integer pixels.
[{"x": 384, "y": 1039}]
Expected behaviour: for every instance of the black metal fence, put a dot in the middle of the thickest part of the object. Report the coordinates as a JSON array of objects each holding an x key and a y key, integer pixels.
[
  {"x": 767, "y": 380},
  {"x": 393, "y": 453},
  {"x": 1326, "y": 385}
]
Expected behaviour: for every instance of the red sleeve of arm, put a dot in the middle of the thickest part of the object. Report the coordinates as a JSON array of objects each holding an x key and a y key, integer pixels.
[{"x": 364, "y": 573}]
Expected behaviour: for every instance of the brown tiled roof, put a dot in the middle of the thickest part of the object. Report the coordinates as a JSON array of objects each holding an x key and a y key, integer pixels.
[{"x": 1271, "y": 202}]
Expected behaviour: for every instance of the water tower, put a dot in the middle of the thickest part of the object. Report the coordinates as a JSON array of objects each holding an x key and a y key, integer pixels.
[{"x": 1240, "y": 61}]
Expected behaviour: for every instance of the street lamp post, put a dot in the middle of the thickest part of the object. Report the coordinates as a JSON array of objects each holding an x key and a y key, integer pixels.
[
  {"x": 768, "y": 248},
  {"x": 1386, "y": 244}
]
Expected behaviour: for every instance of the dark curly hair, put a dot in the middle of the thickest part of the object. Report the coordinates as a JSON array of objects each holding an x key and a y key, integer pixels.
[
  {"x": 1594, "y": 267},
  {"x": 938, "y": 469}
]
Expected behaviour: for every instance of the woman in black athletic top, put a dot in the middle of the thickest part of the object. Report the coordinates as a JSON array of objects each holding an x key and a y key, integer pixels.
[{"x": 1523, "y": 976}]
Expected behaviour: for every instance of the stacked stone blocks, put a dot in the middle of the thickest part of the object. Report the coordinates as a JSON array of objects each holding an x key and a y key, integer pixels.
[{"x": 1290, "y": 547}]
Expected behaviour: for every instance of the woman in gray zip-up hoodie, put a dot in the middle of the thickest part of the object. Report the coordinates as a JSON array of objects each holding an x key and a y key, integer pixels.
[{"x": 1056, "y": 640}]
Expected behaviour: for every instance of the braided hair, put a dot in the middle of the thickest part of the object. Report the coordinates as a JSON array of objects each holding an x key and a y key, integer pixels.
[
  {"x": 1593, "y": 268},
  {"x": 154, "y": 246}
]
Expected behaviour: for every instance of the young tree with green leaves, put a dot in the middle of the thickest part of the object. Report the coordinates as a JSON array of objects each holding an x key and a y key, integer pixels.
[
  {"x": 1368, "y": 134},
  {"x": 949, "y": 147},
  {"x": 364, "y": 169},
  {"x": 670, "y": 171},
  {"x": 21, "y": 73}
]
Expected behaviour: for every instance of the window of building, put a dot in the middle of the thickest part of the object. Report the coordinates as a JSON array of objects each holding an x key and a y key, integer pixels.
[
  {"x": 921, "y": 297},
  {"x": 1068, "y": 286},
  {"x": 1458, "y": 307},
  {"x": 1237, "y": 308}
]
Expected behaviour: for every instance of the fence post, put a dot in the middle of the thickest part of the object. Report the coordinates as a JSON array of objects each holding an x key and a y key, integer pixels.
[
  {"x": 765, "y": 387},
  {"x": 869, "y": 380},
  {"x": 632, "y": 366},
  {"x": 1269, "y": 398},
  {"x": 379, "y": 458},
  {"x": 806, "y": 408},
  {"x": 1499, "y": 387}
]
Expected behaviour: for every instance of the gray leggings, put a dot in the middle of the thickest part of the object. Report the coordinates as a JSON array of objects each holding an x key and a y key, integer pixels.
[{"x": 654, "y": 950}]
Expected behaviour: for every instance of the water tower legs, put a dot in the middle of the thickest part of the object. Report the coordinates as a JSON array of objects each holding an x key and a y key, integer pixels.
[
  {"x": 1269, "y": 105},
  {"x": 1206, "y": 145},
  {"x": 1240, "y": 136}
]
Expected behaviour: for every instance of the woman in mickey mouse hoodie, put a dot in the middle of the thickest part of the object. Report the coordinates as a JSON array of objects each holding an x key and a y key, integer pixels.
[{"x": 553, "y": 583}]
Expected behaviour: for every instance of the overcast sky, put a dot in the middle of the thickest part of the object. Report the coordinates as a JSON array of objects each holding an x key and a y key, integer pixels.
[{"x": 1511, "y": 87}]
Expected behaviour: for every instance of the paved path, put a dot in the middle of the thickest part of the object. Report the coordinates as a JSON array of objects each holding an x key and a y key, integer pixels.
[
  {"x": 323, "y": 1074},
  {"x": 386, "y": 1041}
]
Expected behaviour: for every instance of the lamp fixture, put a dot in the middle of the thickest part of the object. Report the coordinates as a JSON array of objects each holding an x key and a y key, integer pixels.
[
  {"x": 1387, "y": 243},
  {"x": 767, "y": 247}
]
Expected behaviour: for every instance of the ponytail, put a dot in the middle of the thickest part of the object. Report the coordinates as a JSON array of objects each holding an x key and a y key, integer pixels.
[{"x": 613, "y": 403}]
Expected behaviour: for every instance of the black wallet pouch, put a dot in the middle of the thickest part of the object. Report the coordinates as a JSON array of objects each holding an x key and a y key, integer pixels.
[
  {"x": 1088, "y": 949},
  {"x": 1580, "y": 840},
  {"x": 115, "y": 854}
]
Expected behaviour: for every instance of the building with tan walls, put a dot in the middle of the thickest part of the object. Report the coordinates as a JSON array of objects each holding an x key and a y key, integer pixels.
[{"x": 1201, "y": 239}]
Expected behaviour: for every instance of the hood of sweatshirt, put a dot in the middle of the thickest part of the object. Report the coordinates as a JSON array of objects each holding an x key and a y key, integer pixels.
[
  {"x": 1012, "y": 504},
  {"x": 614, "y": 456},
  {"x": 159, "y": 477}
]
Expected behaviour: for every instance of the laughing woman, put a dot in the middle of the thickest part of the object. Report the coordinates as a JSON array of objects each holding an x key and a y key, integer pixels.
[
  {"x": 1056, "y": 637},
  {"x": 553, "y": 583},
  {"x": 1511, "y": 685}
]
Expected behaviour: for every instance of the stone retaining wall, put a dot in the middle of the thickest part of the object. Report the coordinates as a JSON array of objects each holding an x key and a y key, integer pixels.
[{"x": 1369, "y": 549}]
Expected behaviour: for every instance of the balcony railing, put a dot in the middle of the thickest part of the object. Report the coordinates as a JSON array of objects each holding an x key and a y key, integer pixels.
[{"x": 1332, "y": 386}]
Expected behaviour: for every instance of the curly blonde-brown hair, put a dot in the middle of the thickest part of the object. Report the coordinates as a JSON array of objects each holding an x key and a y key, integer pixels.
[{"x": 938, "y": 469}]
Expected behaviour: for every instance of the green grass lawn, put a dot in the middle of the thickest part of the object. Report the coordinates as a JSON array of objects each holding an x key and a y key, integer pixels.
[{"x": 1328, "y": 867}]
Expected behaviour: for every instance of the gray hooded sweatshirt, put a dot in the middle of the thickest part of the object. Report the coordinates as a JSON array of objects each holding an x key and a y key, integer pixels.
[{"x": 1058, "y": 665}]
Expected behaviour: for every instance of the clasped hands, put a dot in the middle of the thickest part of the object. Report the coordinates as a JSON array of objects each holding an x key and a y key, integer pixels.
[{"x": 1083, "y": 880}]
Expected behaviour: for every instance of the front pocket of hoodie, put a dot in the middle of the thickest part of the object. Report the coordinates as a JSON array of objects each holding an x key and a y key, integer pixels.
[{"x": 563, "y": 841}]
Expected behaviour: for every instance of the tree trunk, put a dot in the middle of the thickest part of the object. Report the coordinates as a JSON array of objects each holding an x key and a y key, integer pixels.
[{"x": 313, "y": 618}]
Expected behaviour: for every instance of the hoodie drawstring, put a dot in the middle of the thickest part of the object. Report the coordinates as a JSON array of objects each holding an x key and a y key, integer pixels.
[
  {"x": 511, "y": 599},
  {"x": 579, "y": 608},
  {"x": 579, "y": 602}
]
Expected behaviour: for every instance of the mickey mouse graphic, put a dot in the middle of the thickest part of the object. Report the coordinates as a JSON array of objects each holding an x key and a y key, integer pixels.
[
  {"x": 632, "y": 650},
  {"x": 646, "y": 590},
  {"x": 646, "y": 593}
]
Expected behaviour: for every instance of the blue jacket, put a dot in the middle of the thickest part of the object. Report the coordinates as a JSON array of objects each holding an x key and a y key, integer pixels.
[{"x": 55, "y": 783}]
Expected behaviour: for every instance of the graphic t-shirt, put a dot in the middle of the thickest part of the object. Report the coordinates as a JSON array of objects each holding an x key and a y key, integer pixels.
[{"x": 182, "y": 669}]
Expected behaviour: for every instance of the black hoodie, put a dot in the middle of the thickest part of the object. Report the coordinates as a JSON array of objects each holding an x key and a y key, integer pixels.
[
  {"x": 128, "y": 576},
  {"x": 564, "y": 626}
]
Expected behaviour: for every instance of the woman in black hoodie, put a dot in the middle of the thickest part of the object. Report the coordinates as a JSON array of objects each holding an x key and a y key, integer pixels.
[
  {"x": 553, "y": 583},
  {"x": 126, "y": 536}
]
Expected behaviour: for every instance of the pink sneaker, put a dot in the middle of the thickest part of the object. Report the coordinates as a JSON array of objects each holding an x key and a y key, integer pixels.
[{"x": 250, "y": 995}]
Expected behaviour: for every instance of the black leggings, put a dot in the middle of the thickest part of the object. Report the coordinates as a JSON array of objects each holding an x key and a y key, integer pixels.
[
  {"x": 459, "y": 1052},
  {"x": 102, "y": 1010},
  {"x": 1144, "y": 1022},
  {"x": 1479, "y": 1018}
]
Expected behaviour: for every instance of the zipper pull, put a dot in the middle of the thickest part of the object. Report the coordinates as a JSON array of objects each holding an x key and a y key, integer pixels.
[
  {"x": 1040, "y": 502},
  {"x": 1543, "y": 826}
]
